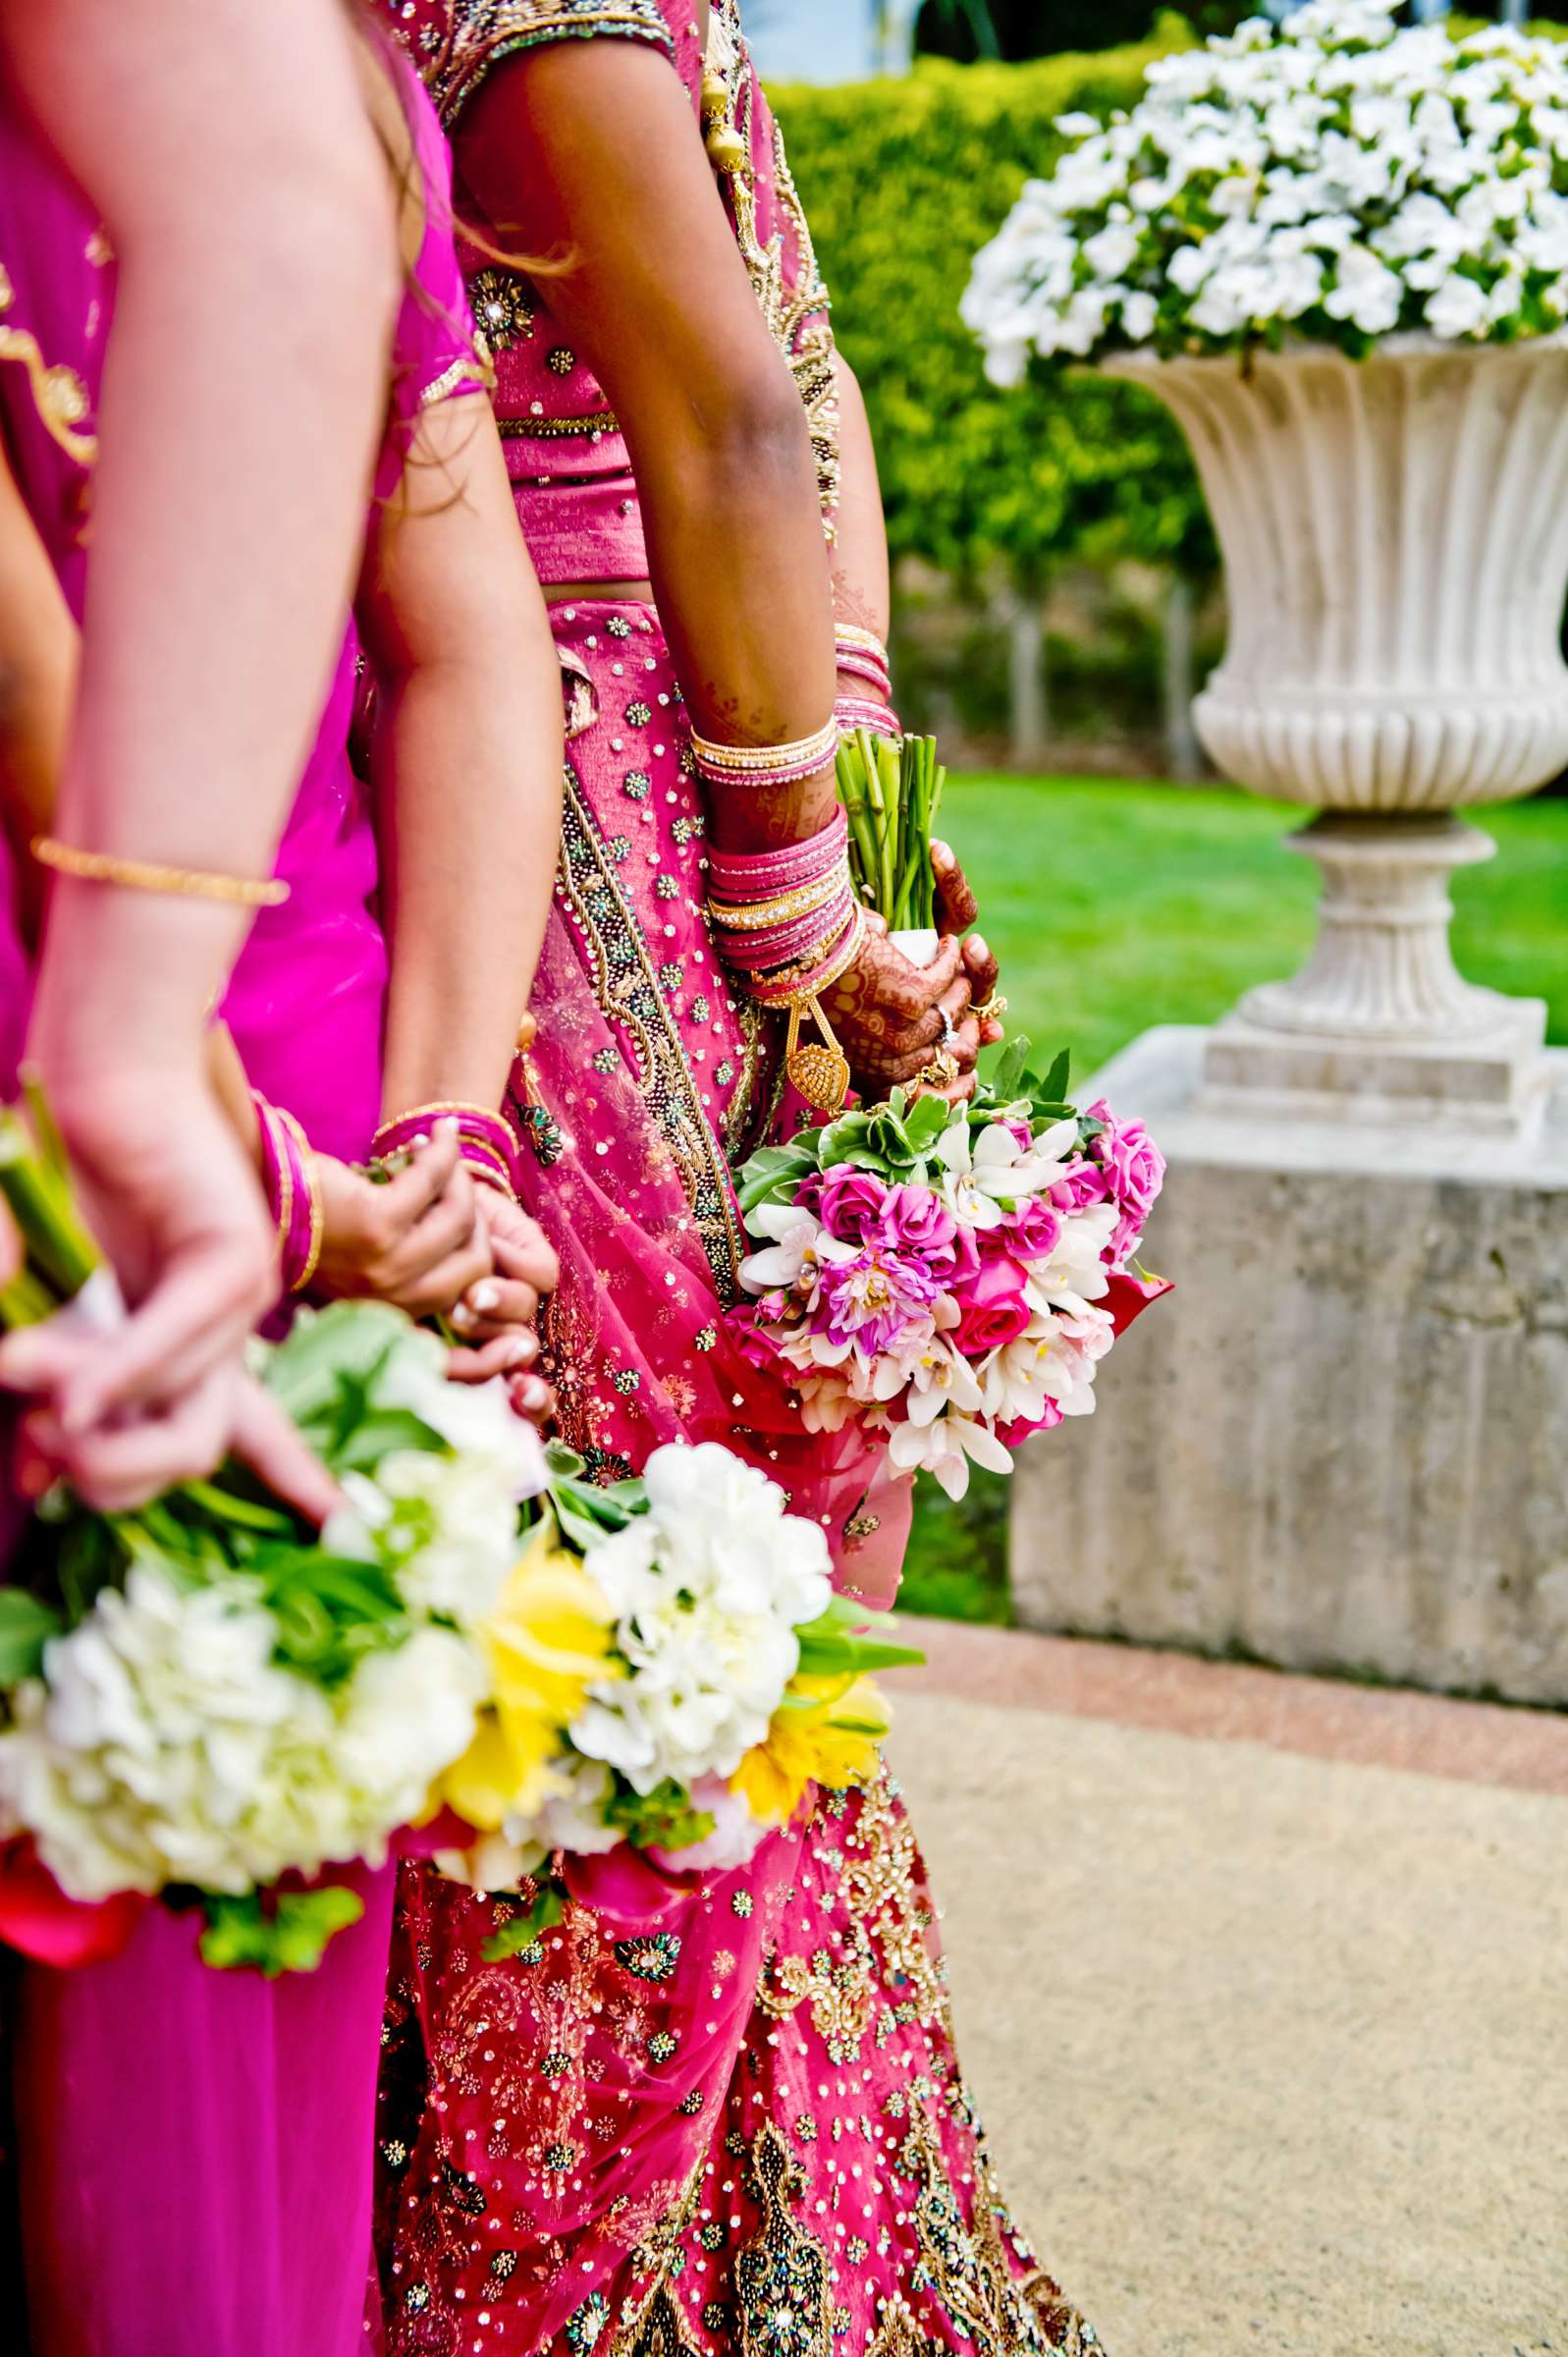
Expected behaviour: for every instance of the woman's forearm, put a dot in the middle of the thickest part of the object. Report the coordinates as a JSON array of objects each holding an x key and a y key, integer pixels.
[
  {"x": 468, "y": 776},
  {"x": 861, "y": 591}
]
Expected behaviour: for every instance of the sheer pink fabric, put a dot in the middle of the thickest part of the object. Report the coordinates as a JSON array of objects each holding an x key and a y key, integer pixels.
[
  {"x": 195, "y": 2147},
  {"x": 723, "y": 2113}
]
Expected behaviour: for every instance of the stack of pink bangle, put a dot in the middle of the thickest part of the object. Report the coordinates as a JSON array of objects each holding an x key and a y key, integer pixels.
[
  {"x": 787, "y": 918},
  {"x": 294, "y": 1192},
  {"x": 861, "y": 655},
  {"x": 487, "y": 1145}
]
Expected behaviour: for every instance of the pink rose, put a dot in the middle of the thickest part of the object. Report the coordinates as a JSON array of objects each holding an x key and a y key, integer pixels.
[
  {"x": 991, "y": 1308},
  {"x": 1031, "y": 1232},
  {"x": 1134, "y": 1168},
  {"x": 846, "y": 1200},
  {"x": 1080, "y": 1184},
  {"x": 914, "y": 1220}
]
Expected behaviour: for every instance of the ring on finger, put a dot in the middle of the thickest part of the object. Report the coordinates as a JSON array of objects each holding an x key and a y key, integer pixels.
[
  {"x": 995, "y": 1004},
  {"x": 949, "y": 1035},
  {"x": 941, "y": 1072}
]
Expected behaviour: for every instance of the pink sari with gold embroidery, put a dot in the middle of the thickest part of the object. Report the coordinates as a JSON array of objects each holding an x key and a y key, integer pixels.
[
  {"x": 195, "y": 2146},
  {"x": 723, "y": 2114}
]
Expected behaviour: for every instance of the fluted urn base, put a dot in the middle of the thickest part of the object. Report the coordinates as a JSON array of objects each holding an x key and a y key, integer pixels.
[
  {"x": 1379, "y": 1024},
  {"x": 1395, "y": 537}
]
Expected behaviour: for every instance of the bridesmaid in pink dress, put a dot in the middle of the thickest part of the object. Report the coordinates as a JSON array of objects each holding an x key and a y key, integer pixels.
[
  {"x": 725, "y": 2114},
  {"x": 195, "y": 2146}
]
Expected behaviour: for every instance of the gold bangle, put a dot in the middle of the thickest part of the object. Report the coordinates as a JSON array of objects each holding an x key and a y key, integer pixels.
[
  {"x": 787, "y": 978},
  {"x": 757, "y": 916},
  {"x": 266, "y": 1114},
  {"x": 151, "y": 875},
  {"x": 312, "y": 1170},
  {"x": 995, "y": 1004},
  {"x": 444, "y": 1109},
  {"x": 850, "y": 633},
  {"x": 745, "y": 760}
]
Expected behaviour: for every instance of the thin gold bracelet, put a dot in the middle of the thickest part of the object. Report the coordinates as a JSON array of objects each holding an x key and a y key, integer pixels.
[
  {"x": 312, "y": 1170},
  {"x": 152, "y": 875}
]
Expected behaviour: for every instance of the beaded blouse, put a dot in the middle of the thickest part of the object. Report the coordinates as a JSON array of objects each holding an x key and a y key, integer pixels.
[{"x": 566, "y": 453}]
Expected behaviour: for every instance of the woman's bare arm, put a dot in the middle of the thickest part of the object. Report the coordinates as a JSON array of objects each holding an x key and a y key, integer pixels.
[
  {"x": 228, "y": 152},
  {"x": 590, "y": 150},
  {"x": 37, "y": 680},
  {"x": 466, "y": 760}
]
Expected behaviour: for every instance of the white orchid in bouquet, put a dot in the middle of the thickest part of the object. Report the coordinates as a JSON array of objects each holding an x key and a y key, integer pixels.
[
  {"x": 1335, "y": 178},
  {"x": 207, "y": 1704},
  {"x": 950, "y": 1275}
]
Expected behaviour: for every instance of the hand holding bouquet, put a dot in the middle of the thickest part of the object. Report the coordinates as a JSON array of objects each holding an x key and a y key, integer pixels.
[
  {"x": 950, "y": 1275},
  {"x": 208, "y": 1703}
]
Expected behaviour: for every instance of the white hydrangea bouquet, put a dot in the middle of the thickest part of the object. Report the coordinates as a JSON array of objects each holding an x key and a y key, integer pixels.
[
  {"x": 1335, "y": 179},
  {"x": 207, "y": 1704}
]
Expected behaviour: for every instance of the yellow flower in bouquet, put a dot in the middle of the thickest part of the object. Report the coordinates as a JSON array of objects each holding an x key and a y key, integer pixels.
[
  {"x": 547, "y": 1640},
  {"x": 826, "y": 1731}
]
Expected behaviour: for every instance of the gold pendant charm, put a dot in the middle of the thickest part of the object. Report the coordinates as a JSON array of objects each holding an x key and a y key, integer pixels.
[{"x": 820, "y": 1071}]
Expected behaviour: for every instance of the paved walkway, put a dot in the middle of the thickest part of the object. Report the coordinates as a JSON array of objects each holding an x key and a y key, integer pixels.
[{"x": 1261, "y": 1985}]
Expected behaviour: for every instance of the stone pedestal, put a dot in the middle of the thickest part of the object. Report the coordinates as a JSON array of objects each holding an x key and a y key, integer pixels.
[{"x": 1342, "y": 1443}]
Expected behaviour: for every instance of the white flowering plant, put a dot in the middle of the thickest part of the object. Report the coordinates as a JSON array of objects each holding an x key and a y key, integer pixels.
[
  {"x": 1337, "y": 178},
  {"x": 207, "y": 1704}
]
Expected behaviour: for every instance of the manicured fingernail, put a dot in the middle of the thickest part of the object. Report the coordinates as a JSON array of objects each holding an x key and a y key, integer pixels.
[
  {"x": 484, "y": 1297},
  {"x": 447, "y": 1127},
  {"x": 977, "y": 943},
  {"x": 463, "y": 1317},
  {"x": 515, "y": 1353},
  {"x": 535, "y": 1392}
]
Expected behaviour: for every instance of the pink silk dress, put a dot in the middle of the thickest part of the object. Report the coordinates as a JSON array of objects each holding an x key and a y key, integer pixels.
[
  {"x": 722, "y": 2114},
  {"x": 195, "y": 2147}
]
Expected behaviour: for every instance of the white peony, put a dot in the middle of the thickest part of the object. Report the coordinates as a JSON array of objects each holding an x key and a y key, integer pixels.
[{"x": 707, "y": 1588}]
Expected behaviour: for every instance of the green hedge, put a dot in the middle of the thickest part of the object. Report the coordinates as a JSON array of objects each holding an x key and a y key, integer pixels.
[{"x": 903, "y": 181}]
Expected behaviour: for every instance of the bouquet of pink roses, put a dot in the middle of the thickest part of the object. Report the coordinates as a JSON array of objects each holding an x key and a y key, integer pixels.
[{"x": 950, "y": 1275}]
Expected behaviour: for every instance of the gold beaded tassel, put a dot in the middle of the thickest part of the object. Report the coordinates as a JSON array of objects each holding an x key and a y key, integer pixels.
[{"x": 819, "y": 1070}]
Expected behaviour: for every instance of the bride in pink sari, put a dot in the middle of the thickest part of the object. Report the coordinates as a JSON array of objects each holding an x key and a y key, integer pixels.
[{"x": 722, "y": 2112}]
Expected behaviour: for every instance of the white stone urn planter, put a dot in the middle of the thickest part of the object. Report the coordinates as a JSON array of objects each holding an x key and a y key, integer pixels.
[{"x": 1395, "y": 540}]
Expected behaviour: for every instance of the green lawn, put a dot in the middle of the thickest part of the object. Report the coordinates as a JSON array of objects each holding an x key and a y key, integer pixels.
[{"x": 1116, "y": 905}]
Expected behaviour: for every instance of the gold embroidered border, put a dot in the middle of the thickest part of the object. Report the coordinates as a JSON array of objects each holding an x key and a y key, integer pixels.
[
  {"x": 629, "y": 996},
  {"x": 797, "y": 322},
  {"x": 481, "y": 35}
]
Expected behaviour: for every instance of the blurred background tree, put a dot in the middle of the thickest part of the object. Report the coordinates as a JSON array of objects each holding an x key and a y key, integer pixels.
[{"x": 993, "y": 498}]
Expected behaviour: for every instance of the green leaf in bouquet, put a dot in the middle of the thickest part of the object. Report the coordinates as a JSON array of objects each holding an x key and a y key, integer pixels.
[
  {"x": 925, "y": 1123},
  {"x": 361, "y": 1437},
  {"x": 663, "y": 1818},
  {"x": 331, "y": 1609},
  {"x": 848, "y": 1641},
  {"x": 1054, "y": 1087},
  {"x": 516, "y": 1937},
  {"x": 1006, "y": 1081},
  {"x": 228, "y": 1506},
  {"x": 776, "y": 1172},
  {"x": 275, "y": 1931},
  {"x": 27, "y": 1623},
  {"x": 563, "y": 1464},
  {"x": 588, "y": 1510}
]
